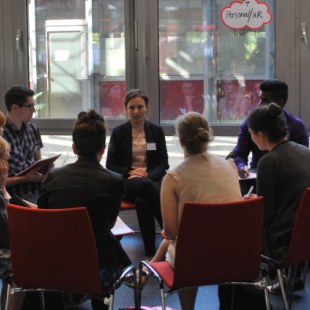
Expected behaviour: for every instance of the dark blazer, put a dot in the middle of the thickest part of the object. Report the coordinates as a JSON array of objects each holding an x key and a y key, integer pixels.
[
  {"x": 119, "y": 158},
  {"x": 87, "y": 183}
]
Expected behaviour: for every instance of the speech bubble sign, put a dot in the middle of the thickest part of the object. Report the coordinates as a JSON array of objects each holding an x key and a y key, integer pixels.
[{"x": 251, "y": 14}]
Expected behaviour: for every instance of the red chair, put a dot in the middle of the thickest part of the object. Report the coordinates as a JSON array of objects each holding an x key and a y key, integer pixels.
[
  {"x": 299, "y": 249},
  {"x": 218, "y": 243},
  {"x": 55, "y": 250},
  {"x": 127, "y": 205}
]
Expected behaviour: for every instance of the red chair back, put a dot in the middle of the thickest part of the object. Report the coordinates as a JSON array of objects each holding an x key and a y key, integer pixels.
[
  {"x": 54, "y": 249},
  {"x": 220, "y": 242},
  {"x": 299, "y": 249}
]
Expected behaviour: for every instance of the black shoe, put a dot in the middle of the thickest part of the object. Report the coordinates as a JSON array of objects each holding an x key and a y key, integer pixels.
[
  {"x": 98, "y": 304},
  {"x": 129, "y": 280},
  {"x": 276, "y": 289}
]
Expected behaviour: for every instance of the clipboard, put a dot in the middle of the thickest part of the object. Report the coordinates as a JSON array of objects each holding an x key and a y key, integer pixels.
[
  {"x": 251, "y": 176},
  {"x": 41, "y": 165}
]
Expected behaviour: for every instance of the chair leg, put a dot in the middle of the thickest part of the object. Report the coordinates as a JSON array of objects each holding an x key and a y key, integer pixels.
[
  {"x": 280, "y": 277},
  {"x": 163, "y": 297},
  {"x": 232, "y": 298},
  {"x": 290, "y": 279},
  {"x": 291, "y": 283},
  {"x": 111, "y": 300},
  {"x": 266, "y": 293},
  {"x": 304, "y": 273},
  {"x": 138, "y": 287},
  {"x": 42, "y": 300},
  {"x": 7, "y": 299}
]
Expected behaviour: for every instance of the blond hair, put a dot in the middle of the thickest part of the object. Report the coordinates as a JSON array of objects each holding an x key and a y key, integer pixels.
[
  {"x": 194, "y": 132},
  {"x": 2, "y": 119},
  {"x": 4, "y": 145}
]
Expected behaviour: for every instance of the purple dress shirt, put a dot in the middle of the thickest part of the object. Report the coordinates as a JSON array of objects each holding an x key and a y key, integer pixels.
[{"x": 297, "y": 133}]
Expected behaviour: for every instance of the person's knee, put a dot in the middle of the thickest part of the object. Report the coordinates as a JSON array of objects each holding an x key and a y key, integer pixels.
[{"x": 147, "y": 186}]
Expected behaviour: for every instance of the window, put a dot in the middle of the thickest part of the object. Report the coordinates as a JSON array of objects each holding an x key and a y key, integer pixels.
[
  {"x": 77, "y": 57},
  {"x": 206, "y": 66}
]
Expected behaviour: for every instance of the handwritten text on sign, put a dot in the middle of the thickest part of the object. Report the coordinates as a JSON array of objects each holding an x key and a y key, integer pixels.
[{"x": 251, "y": 14}]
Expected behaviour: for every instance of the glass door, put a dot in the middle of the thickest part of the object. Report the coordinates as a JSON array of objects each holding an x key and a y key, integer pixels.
[
  {"x": 86, "y": 53},
  {"x": 209, "y": 66},
  {"x": 77, "y": 57}
]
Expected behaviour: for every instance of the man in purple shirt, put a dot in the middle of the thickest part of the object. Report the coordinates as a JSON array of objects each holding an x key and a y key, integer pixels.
[{"x": 270, "y": 91}]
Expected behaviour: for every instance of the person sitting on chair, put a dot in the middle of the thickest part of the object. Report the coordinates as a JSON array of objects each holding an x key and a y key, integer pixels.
[
  {"x": 26, "y": 143},
  {"x": 270, "y": 91},
  {"x": 283, "y": 174},
  {"x": 212, "y": 178},
  {"x": 138, "y": 151},
  {"x": 87, "y": 183}
]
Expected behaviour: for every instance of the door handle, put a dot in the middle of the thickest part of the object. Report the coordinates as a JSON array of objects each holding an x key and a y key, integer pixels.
[
  {"x": 304, "y": 33},
  {"x": 18, "y": 39}
]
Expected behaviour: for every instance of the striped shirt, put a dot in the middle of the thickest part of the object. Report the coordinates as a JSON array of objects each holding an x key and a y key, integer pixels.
[{"x": 24, "y": 144}]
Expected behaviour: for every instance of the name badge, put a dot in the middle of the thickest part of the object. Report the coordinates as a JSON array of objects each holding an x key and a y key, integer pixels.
[{"x": 151, "y": 146}]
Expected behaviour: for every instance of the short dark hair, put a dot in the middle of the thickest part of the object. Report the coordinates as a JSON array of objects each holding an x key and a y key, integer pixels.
[
  {"x": 17, "y": 94},
  {"x": 277, "y": 88},
  {"x": 268, "y": 120},
  {"x": 89, "y": 134},
  {"x": 134, "y": 93}
]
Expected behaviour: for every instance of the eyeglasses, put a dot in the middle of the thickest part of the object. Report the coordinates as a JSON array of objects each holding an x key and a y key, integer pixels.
[{"x": 30, "y": 106}]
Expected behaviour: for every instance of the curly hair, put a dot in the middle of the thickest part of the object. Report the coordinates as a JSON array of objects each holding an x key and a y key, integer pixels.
[{"x": 89, "y": 134}]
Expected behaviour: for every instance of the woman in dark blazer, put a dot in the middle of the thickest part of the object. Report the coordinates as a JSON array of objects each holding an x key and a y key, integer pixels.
[{"x": 138, "y": 151}]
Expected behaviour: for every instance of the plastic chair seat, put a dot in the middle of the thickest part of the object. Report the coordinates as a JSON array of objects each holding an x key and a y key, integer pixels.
[{"x": 127, "y": 205}]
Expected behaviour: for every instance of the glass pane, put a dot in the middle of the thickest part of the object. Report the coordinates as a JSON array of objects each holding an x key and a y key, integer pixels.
[
  {"x": 77, "y": 56},
  {"x": 207, "y": 67}
]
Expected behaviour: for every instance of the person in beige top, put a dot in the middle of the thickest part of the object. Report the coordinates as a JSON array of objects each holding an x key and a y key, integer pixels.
[{"x": 201, "y": 177}]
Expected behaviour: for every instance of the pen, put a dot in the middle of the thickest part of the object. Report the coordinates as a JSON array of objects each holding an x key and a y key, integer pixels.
[{"x": 249, "y": 192}]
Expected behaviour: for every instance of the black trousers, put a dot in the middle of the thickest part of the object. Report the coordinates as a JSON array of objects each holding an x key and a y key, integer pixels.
[{"x": 145, "y": 193}]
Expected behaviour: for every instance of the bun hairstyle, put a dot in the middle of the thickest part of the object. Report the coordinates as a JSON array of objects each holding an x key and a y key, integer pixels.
[
  {"x": 194, "y": 132},
  {"x": 269, "y": 120},
  {"x": 89, "y": 134}
]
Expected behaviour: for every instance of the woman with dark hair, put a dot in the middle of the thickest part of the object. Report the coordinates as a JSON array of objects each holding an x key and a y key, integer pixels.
[
  {"x": 87, "y": 183},
  {"x": 283, "y": 174},
  {"x": 137, "y": 150}
]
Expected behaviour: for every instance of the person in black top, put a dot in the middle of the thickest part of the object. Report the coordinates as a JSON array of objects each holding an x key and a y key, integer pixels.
[{"x": 87, "y": 183}]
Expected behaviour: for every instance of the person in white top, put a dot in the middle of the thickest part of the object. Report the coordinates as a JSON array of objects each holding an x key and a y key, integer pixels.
[{"x": 201, "y": 177}]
